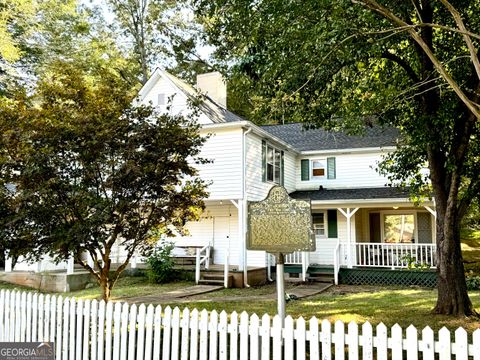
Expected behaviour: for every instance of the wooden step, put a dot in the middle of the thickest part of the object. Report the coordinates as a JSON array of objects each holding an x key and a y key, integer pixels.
[
  {"x": 321, "y": 276},
  {"x": 215, "y": 279}
]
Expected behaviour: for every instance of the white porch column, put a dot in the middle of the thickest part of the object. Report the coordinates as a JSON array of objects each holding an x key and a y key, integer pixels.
[
  {"x": 242, "y": 263},
  {"x": 70, "y": 266},
  {"x": 8, "y": 263},
  {"x": 133, "y": 262},
  {"x": 348, "y": 214}
]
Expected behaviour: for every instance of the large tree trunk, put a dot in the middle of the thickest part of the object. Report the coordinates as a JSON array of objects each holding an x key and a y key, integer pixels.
[{"x": 452, "y": 289}]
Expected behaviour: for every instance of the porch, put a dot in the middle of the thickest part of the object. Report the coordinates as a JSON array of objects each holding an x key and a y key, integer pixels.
[{"x": 363, "y": 256}]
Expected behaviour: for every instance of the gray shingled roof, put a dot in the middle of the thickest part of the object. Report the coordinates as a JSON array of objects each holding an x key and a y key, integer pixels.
[
  {"x": 319, "y": 139},
  {"x": 216, "y": 112},
  {"x": 353, "y": 194}
]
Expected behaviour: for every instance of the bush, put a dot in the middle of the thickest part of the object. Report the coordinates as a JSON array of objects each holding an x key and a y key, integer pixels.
[
  {"x": 161, "y": 262},
  {"x": 473, "y": 282}
]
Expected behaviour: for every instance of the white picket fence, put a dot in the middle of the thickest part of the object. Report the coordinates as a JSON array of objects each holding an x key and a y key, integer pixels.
[{"x": 96, "y": 330}]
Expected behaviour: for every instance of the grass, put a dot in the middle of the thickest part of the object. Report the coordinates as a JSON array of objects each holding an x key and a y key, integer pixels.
[
  {"x": 126, "y": 287},
  {"x": 389, "y": 305},
  {"x": 375, "y": 304},
  {"x": 471, "y": 250}
]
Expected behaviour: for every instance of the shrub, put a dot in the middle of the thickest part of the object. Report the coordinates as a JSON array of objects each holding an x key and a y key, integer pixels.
[
  {"x": 473, "y": 282},
  {"x": 161, "y": 262}
]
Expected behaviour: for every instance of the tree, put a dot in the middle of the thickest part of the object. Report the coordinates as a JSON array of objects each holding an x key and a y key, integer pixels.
[
  {"x": 340, "y": 65},
  {"x": 160, "y": 32},
  {"x": 93, "y": 171}
]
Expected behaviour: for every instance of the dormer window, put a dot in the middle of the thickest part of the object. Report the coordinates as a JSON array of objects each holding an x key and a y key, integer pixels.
[{"x": 161, "y": 100}]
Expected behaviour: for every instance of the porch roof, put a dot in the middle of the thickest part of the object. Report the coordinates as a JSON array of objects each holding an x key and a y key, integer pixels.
[{"x": 353, "y": 194}]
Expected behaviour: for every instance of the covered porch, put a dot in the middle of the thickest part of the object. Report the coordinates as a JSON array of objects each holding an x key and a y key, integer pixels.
[{"x": 368, "y": 228}]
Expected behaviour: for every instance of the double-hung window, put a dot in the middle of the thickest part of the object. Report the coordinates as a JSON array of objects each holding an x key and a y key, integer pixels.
[
  {"x": 273, "y": 164},
  {"x": 319, "y": 224}
]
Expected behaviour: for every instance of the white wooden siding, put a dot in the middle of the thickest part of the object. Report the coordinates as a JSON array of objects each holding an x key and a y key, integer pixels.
[
  {"x": 224, "y": 148},
  {"x": 178, "y": 105},
  {"x": 257, "y": 189},
  {"x": 218, "y": 225},
  {"x": 352, "y": 171}
]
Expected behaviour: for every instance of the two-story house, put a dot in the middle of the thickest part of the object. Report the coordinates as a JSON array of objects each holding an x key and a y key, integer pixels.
[{"x": 359, "y": 222}]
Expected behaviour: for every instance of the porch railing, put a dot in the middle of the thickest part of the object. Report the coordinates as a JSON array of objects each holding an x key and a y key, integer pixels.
[
  {"x": 202, "y": 257},
  {"x": 389, "y": 255},
  {"x": 299, "y": 258}
]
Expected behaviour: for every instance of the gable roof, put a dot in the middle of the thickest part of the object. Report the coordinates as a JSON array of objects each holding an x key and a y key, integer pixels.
[
  {"x": 320, "y": 139},
  {"x": 214, "y": 111}
]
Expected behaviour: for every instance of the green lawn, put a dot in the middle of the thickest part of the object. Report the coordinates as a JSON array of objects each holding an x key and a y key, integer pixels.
[
  {"x": 389, "y": 305},
  {"x": 471, "y": 250}
]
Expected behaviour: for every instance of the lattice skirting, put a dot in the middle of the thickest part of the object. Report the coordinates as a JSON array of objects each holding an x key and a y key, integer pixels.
[{"x": 376, "y": 276}]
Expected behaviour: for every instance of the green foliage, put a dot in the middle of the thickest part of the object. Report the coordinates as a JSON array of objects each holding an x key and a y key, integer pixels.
[
  {"x": 413, "y": 264},
  {"x": 92, "y": 170},
  {"x": 473, "y": 282},
  {"x": 161, "y": 263}
]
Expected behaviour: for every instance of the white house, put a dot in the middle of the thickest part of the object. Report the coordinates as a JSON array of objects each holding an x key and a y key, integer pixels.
[{"x": 358, "y": 220}]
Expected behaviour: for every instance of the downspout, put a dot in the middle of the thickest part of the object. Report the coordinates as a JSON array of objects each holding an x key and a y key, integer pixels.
[{"x": 244, "y": 206}]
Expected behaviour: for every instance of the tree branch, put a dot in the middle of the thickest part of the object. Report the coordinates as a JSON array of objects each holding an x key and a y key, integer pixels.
[
  {"x": 408, "y": 69},
  {"x": 375, "y": 6},
  {"x": 471, "y": 48}
]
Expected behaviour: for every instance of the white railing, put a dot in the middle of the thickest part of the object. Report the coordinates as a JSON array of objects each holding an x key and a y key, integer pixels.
[
  {"x": 299, "y": 258},
  {"x": 84, "y": 329},
  {"x": 389, "y": 255},
  {"x": 202, "y": 257},
  {"x": 294, "y": 258}
]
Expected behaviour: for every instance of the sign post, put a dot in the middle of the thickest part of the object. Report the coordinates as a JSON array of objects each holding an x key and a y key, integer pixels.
[
  {"x": 280, "y": 260},
  {"x": 280, "y": 225}
]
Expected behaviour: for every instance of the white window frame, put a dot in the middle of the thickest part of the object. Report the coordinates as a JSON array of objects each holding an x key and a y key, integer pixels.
[
  {"x": 274, "y": 165},
  {"x": 398, "y": 212},
  {"x": 325, "y": 225},
  {"x": 324, "y": 162}
]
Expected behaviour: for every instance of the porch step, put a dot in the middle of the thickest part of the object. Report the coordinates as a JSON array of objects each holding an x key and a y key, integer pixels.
[
  {"x": 321, "y": 277},
  {"x": 215, "y": 279}
]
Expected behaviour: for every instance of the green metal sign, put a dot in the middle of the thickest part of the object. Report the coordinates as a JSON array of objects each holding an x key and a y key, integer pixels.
[{"x": 280, "y": 224}]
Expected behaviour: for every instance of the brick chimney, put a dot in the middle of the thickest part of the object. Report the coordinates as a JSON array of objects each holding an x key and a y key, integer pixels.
[{"x": 213, "y": 85}]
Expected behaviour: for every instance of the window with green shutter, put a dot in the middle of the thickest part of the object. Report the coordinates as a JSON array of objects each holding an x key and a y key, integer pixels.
[
  {"x": 305, "y": 169},
  {"x": 332, "y": 224},
  {"x": 331, "y": 171}
]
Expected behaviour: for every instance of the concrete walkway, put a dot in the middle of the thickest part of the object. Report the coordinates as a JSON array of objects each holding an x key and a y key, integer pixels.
[
  {"x": 198, "y": 293},
  {"x": 172, "y": 295}
]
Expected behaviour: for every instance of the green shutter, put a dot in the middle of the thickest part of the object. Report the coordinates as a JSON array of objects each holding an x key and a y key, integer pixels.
[
  {"x": 264, "y": 161},
  {"x": 331, "y": 172},
  {"x": 332, "y": 223},
  {"x": 282, "y": 166},
  {"x": 305, "y": 168}
]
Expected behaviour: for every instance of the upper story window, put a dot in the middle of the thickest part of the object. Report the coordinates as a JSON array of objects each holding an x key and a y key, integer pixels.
[
  {"x": 318, "y": 168},
  {"x": 161, "y": 99},
  {"x": 312, "y": 169},
  {"x": 272, "y": 159}
]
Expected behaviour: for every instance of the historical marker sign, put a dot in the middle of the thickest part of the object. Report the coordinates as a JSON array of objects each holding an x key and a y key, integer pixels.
[{"x": 280, "y": 224}]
